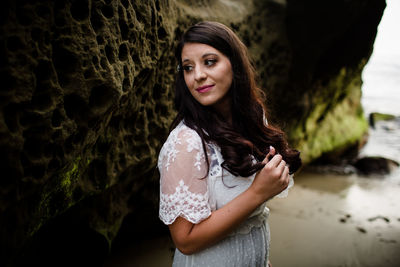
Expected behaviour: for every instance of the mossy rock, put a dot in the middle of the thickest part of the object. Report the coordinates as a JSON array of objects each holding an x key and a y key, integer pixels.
[{"x": 376, "y": 116}]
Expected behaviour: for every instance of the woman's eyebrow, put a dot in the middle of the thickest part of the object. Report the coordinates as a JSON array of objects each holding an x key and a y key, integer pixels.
[
  {"x": 209, "y": 54},
  {"x": 203, "y": 56}
]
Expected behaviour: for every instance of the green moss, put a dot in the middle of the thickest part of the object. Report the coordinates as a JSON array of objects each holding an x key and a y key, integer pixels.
[
  {"x": 335, "y": 124},
  {"x": 340, "y": 128},
  {"x": 376, "y": 116},
  {"x": 57, "y": 196},
  {"x": 69, "y": 178}
]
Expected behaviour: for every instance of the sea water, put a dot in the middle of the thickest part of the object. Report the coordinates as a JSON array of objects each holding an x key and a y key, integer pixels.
[
  {"x": 381, "y": 75},
  {"x": 381, "y": 86}
]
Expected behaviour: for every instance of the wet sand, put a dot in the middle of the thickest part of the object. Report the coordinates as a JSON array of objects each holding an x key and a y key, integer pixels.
[
  {"x": 341, "y": 220},
  {"x": 336, "y": 220},
  {"x": 327, "y": 220}
]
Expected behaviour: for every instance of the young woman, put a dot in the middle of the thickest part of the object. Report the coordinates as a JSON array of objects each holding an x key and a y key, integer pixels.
[{"x": 222, "y": 161}]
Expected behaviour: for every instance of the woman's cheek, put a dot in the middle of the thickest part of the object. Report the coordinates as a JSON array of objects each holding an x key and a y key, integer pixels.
[{"x": 188, "y": 82}]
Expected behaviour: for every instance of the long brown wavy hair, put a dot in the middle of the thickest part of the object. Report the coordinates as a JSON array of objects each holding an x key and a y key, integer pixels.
[{"x": 249, "y": 136}]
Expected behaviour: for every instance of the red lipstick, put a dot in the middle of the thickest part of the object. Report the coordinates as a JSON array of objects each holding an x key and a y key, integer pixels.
[{"x": 205, "y": 88}]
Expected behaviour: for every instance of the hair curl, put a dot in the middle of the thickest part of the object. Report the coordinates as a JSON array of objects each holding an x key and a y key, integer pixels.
[{"x": 249, "y": 136}]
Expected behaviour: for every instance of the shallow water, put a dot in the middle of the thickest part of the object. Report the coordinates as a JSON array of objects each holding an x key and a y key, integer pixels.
[{"x": 384, "y": 141}]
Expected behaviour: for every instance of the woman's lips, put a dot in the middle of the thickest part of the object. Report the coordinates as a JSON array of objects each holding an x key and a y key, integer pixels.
[{"x": 205, "y": 88}]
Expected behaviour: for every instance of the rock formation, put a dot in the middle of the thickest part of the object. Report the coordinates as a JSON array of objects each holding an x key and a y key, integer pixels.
[
  {"x": 86, "y": 102},
  {"x": 375, "y": 165}
]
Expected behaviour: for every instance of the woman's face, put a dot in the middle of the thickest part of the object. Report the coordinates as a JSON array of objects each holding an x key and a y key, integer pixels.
[{"x": 208, "y": 74}]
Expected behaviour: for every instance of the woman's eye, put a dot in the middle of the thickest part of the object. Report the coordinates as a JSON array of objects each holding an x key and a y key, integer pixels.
[
  {"x": 187, "y": 68},
  {"x": 210, "y": 62}
]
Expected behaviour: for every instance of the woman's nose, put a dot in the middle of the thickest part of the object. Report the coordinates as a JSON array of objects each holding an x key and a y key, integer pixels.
[{"x": 199, "y": 74}]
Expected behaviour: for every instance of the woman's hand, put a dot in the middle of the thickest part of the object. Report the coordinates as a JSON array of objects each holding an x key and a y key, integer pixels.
[
  {"x": 273, "y": 178},
  {"x": 269, "y": 181}
]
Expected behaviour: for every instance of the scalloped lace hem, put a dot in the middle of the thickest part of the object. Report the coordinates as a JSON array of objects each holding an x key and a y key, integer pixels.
[
  {"x": 193, "y": 207},
  {"x": 169, "y": 220}
]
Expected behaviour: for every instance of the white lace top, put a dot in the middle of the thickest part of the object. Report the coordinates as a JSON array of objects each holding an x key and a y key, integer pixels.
[{"x": 187, "y": 190}]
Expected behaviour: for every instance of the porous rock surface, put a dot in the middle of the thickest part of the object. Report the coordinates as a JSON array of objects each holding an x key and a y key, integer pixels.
[{"x": 87, "y": 99}]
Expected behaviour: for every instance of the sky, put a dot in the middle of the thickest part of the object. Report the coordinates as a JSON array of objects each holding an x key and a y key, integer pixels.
[{"x": 381, "y": 75}]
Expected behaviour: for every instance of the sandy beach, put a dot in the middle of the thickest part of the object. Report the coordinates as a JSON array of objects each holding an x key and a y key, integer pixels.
[{"x": 335, "y": 220}]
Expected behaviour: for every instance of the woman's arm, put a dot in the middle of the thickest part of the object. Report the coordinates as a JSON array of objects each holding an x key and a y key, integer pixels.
[{"x": 269, "y": 181}]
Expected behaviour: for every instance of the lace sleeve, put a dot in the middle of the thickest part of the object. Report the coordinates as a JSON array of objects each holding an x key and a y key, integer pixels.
[{"x": 182, "y": 166}]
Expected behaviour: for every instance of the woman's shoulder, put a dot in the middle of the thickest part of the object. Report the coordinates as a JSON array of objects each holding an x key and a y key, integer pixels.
[
  {"x": 182, "y": 132},
  {"x": 183, "y": 129},
  {"x": 183, "y": 135},
  {"x": 182, "y": 139}
]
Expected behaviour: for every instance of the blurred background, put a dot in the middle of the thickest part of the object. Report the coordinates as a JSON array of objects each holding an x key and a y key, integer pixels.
[{"x": 333, "y": 216}]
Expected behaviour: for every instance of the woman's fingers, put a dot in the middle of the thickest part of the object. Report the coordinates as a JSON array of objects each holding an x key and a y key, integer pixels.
[
  {"x": 285, "y": 174},
  {"x": 275, "y": 161},
  {"x": 270, "y": 154},
  {"x": 282, "y": 164},
  {"x": 280, "y": 167},
  {"x": 286, "y": 171},
  {"x": 274, "y": 177}
]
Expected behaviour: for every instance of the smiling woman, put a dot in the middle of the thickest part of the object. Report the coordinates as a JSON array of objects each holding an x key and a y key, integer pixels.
[
  {"x": 222, "y": 161},
  {"x": 208, "y": 75}
]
